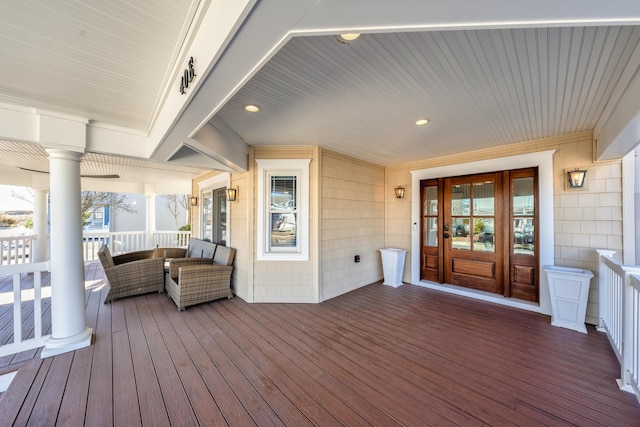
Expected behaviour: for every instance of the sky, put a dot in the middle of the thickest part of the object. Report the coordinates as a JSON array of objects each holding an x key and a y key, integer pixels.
[{"x": 8, "y": 202}]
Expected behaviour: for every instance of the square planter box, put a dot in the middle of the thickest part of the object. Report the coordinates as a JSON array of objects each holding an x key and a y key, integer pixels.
[
  {"x": 569, "y": 289},
  {"x": 392, "y": 266}
]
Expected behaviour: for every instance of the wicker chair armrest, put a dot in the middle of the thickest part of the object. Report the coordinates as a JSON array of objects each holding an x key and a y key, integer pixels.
[
  {"x": 204, "y": 274},
  {"x": 170, "y": 252},
  {"x": 176, "y": 263},
  {"x": 132, "y": 256}
]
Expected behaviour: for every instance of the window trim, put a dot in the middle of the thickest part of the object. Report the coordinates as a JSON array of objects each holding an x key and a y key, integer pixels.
[{"x": 282, "y": 167}]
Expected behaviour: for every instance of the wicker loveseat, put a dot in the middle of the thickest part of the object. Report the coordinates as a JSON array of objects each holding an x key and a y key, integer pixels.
[
  {"x": 133, "y": 273},
  {"x": 203, "y": 275}
]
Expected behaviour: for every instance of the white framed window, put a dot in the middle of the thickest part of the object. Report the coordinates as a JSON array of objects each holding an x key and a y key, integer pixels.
[{"x": 283, "y": 210}]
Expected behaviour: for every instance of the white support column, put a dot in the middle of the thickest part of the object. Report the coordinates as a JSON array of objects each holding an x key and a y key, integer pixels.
[
  {"x": 39, "y": 252},
  {"x": 151, "y": 218},
  {"x": 68, "y": 316}
]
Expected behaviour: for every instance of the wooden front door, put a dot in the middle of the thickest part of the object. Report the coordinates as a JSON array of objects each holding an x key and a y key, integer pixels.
[
  {"x": 473, "y": 232},
  {"x": 478, "y": 231}
]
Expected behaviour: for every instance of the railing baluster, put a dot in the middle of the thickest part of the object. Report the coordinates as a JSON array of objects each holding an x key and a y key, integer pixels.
[
  {"x": 38, "y": 339},
  {"x": 17, "y": 309},
  {"x": 620, "y": 316}
]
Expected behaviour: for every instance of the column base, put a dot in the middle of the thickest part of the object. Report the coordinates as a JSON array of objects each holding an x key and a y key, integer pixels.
[{"x": 55, "y": 346}]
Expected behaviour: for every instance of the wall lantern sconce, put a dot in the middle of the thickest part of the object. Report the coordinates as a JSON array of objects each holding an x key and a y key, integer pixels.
[
  {"x": 577, "y": 178},
  {"x": 193, "y": 200},
  {"x": 231, "y": 194},
  {"x": 399, "y": 192}
]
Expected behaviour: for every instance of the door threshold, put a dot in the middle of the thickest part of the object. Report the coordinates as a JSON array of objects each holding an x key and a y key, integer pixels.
[{"x": 481, "y": 295}]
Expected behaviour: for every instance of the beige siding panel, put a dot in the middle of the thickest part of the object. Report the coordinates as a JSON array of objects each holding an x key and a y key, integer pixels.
[
  {"x": 278, "y": 281},
  {"x": 353, "y": 223},
  {"x": 239, "y": 236}
]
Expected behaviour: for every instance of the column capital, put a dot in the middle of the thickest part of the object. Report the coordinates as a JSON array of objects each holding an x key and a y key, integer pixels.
[{"x": 58, "y": 154}]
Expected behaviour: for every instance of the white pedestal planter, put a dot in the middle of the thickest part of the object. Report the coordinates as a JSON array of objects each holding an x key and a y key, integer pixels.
[
  {"x": 569, "y": 288},
  {"x": 392, "y": 266}
]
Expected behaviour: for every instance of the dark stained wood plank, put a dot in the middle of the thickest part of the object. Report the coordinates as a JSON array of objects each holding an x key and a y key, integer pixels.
[
  {"x": 74, "y": 402},
  {"x": 202, "y": 402},
  {"x": 372, "y": 387},
  {"x": 265, "y": 383},
  {"x": 29, "y": 402},
  {"x": 225, "y": 398},
  {"x": 176, "y": 401},
  {"x": 255, "y": 405},
  {"x": 12, "y": 400},
  {"x": 152, "y": 408},
  {"x": 264, "y": 326},
  {"x": 99, "y": 405},
  {"x": 303, "y": 385},
  {"x": 299, "y": 395},
  {"x": 125, "y": 402},
  {"x": 376, "y": 356},
  {"x": 524, "y": 368},
  {"x": 52, "y": 390}
]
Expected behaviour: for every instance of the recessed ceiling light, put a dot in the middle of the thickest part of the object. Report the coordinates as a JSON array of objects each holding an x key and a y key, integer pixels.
[
  {"x": 422, "y": 122},
  {"x": 252, "y": 108},
  {"x": 347, "y": 37}
]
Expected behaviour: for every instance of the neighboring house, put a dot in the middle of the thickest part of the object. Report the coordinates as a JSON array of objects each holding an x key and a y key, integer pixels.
[{"x": 117, "y": 220}]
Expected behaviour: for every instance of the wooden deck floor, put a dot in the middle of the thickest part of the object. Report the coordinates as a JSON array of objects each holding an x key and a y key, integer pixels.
[{"x": 376, "y": 356}]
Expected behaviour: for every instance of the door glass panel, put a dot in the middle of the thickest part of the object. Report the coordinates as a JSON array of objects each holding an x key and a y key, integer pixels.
[
  {"x": 207, "y": 215},
  {"x": 460, "y": 194},
  {"x": 430, "y": 232},
  {"x": 431, "y": 201},
  {"x": 460, "y": 234},
  {"x": 430, "y": 216},
  {"x": 523, "y": 197},
  {"x": 220, "y": 217},
  {"x": 523, "y": 216},
  {"x": 483, "y": 237},
  {"x": 483, "y": 199}
]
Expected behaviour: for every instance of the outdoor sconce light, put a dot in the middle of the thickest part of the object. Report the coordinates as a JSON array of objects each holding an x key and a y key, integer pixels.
[
  {"x": 231, "y": 194},
  {"x": 193, "y": 200},
  {"x": 576, "y": 178},
  {"x": 399, "y": 192}
]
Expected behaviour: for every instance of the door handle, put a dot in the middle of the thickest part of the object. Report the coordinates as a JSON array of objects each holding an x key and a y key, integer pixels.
[{"x": 446, "y": 235}]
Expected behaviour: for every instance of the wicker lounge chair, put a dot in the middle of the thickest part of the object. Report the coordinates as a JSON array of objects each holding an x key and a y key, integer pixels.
[
  {"x": 191, "y": 281},
  {"x": 133, "y": 273}
]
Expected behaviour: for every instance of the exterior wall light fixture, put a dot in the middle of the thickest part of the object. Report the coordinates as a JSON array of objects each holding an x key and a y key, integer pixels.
[
  {"x": 399, "y": 192},
  {"x": 232, "y": 193},
  {"x": 577, "y": 178},
  {"x": 193, "y": 200}
]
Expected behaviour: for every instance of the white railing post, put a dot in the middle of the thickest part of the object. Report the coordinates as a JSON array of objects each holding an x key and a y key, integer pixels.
[
  {"x": 630, "y": 365},
  {"x": 603, "y": 278},
  {"x": 19, "y": 344},
  {"x": 619, "y": 316}
]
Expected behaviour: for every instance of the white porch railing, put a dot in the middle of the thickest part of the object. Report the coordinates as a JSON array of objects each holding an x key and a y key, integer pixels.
[
  {"x": 16, "y": 249},
  {"x": 129, "y": 241},
  {"x": 619, "y": 316},
  {"x": 171, "y": 238},
  {"x": 19, "y": 297}
]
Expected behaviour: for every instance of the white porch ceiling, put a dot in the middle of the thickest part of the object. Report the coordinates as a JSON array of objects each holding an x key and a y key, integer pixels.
[
  {"x": 104, "y": 60},
  {"x": 480, "y": 88},
  {"x": 484, "y": 74}
]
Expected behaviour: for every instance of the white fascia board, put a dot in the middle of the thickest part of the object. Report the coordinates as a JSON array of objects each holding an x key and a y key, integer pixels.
[
  {"x": 334, "y": 16},
  {"x": 62, "y": 131},
  {"x": 223, "y": 144},
  {"x": 265, "y": 31},
  {"x": 218, "y": 24},
  {"x": 19, "y": 124},
  {"x": 113, "y": 140}
]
